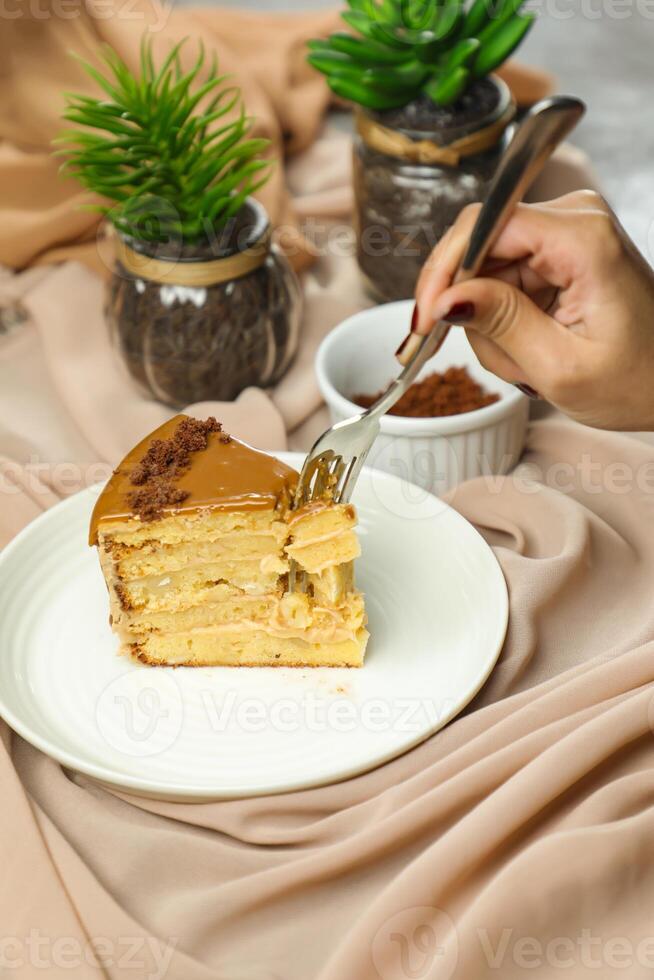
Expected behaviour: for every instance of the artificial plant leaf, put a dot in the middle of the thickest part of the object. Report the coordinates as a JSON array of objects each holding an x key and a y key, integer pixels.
[
  {"x": 148, "y": 146},
  {"x": 476, "y": 18},
  {"x": 357, "y": 91},
  {"x": 448, "y": 87},
  {"x": 372, "y": 30},
  {"x": 393, "y": 79},
  {"x": 500, "y": 42},
  {"x": 502, "y": 11},
  {"x": 462, "y": 52},
  {"x": 367, "y": 52}
]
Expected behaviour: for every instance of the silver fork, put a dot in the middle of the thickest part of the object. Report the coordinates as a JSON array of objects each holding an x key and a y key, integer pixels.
[{"x": 335, "y": 462}]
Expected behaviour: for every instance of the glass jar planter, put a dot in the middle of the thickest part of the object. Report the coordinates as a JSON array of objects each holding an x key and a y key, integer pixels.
[
  {"x": 414, "y": 170},
  {"x": 203, "y": 323}
]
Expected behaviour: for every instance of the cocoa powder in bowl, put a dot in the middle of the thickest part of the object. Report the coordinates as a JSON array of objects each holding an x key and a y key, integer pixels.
[{"x": 452, "y": 393}]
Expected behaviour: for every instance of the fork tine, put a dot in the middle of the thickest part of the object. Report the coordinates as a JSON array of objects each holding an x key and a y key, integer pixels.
[
  {"x": 331, "y": 468},
  {"x": 319, "y": 475},
  {"x": 351, "y": 477},
  {"x": 322, "y": 483},
  {"x": 297, "y": 578},
  {"x": 293, "y": 584},
  {"x": 312, "y": 476},
  {"x": 343, "y": 476},
  {"x": 336, "y": 475}
]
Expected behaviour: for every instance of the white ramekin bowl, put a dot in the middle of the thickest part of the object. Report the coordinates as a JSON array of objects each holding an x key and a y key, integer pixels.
[{"x": 358, "y": 357}]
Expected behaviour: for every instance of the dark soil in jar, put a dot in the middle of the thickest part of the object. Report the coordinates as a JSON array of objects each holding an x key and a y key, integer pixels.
[
  {"x": 240, "y": 232},
  {"x": 404, "y": 208},
  {"x": 424, "y": 116},
  {"x": 184, "y": 344},
  {"x": 185, "y": 349},
  {"x": 402, "y": 212}
]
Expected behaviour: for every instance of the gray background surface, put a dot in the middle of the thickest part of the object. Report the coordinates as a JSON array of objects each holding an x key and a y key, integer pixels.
[{"x": 602, "y": 51}]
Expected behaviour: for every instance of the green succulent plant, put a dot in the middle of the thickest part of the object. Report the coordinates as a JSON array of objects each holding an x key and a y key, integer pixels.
[
  {"x": 156, "y": 145},
  {"x": 402, "y": 49}
]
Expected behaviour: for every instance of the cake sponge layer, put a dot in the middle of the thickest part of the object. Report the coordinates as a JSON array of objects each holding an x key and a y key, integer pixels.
[
  {"x": 318, "y": 522},
  {"x": 326, "y": 554},
  {"x": 194, "y": 587},
  {"x": 209, "y": 525},
  {"x": 207, "y": 649},
  {"x": 158, "y": 559},
  {"x": 290, "y": 615},
  {"x": 189, "y": 586}
]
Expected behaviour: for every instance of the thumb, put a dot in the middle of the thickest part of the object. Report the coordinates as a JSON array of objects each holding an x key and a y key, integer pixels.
[{"x": 508, "y": 317}]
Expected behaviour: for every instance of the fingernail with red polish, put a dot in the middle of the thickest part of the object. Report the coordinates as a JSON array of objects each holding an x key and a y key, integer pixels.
[
  {"x": 528, "y": 391},
  {"x": 460, "y": 313},
  {"x": 409, "y": 346},
  {"x": 414, "y": 323},
  {"x": 400, "y": 350}
]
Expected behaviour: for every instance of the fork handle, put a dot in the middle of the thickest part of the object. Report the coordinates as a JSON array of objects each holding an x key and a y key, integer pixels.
[
  {"x": 424, "y": 350},
  {"x": 541, "y": 131}
]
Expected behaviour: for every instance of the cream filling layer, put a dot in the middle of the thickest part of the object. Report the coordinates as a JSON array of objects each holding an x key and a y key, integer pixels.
[
  {"x": 291, "y": 616},
  {"x": 313, "y": 636}
]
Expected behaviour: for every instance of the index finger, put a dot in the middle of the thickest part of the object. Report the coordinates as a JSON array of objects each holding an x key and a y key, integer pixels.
[{"x": 533, "y": 233}]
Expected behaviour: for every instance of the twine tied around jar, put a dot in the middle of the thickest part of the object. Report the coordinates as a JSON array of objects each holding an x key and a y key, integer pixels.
[
  {"x": 189, "y": 272},
  {"x": 427, "y": 151}
]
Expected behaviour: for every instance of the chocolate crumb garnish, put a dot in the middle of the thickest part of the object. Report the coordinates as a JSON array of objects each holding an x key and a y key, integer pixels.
[
  {"x": 164, "y": 462},
  {"x": 157, "y": 494}
]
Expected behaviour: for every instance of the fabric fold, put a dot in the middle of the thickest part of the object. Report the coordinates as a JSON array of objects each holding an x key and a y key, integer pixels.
[{"x": 518, "y": 839}]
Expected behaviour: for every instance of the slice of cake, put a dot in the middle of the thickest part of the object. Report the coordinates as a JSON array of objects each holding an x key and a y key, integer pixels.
[{"x": 195, "y": 533}]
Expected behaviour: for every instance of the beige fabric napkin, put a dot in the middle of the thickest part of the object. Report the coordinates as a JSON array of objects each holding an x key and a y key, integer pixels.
[
  {"x": 518, "y": 841},
  {"x": 519, "y": 835},
  {"x": 518, "y": 838}
]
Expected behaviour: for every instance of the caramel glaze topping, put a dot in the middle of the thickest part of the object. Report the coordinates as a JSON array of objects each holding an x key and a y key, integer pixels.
[{"x": 186, "y": 466}]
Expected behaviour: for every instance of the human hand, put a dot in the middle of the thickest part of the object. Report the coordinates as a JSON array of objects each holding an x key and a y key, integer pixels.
[{"x": 564, "y": 305}]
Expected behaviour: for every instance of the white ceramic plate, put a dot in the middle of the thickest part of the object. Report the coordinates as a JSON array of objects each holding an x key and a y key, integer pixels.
[{"x": 438, "y": 610}]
